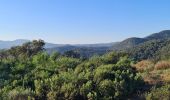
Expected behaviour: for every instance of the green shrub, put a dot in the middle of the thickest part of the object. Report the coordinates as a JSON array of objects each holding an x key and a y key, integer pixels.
[
  {"x": 159, "y": 93},
  {"x": 20, "y": 93},
  {"x": 28, "y": 73}
]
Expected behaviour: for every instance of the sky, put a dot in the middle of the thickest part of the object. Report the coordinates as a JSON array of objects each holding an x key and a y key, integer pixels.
[{"x": 82, "y": 21}]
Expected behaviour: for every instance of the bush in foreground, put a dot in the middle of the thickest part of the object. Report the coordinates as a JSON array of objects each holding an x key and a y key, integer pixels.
[
  {"x": 159, "y": 93},
  {"x": 48, "y": 77}
]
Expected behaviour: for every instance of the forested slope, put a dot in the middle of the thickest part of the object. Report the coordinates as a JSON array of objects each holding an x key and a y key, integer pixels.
[{"x": 154, "y": 49}]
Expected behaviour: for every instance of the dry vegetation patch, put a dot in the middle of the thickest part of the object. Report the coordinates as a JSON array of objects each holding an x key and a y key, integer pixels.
[
  {"x": 162, "y": 65},
  {"x": 144, "y": 65},
  {"x": 154, "y": 73}
]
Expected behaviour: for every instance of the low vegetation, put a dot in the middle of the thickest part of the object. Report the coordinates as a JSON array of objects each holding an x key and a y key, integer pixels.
[
  {"x": 159, "y": 93},
  {"x": 162, "y": 65},
  {"x": 27, "y": 72},
  {"x": 157, "y": 79}
]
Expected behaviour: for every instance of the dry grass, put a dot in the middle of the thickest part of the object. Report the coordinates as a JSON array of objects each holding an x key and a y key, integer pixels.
[
  {"x": 154, "y": 73},
  {"x": 166, "y": 77},
  {"x": 162, "y": 65},
  {"x": 144, "y": 65}
]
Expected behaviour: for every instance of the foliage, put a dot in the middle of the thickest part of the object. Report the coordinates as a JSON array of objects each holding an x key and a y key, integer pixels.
[
  {"x": 155, "y": 50},
  {"x": 29, "y": 73},
  {"x": 159, "y": 93},
  {"x": 147, "y": 50}
]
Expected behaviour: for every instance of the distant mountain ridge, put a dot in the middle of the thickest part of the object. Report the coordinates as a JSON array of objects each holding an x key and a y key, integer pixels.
[
  {"x": 18, "y": 42},
  {"x": 130, "y": 43},
  {"x": 9, "y": 44},
  {"x": 134, "y": 41},
  {"x": 161, "y": 35},
  {"x": 125, "y": 44}
]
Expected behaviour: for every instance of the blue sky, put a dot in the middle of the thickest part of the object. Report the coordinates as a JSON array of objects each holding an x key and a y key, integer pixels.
[{"x": 82, "y": 21}]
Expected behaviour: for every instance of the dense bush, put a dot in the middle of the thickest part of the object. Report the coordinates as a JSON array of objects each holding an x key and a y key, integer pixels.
[{"x": 38, "y": 75}]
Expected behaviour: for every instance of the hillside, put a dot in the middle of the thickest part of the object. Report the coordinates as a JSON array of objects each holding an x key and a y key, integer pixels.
[
  {"x": 155, "y": 46},
  {"x": 143, "y": 48},
  {"x": 128, "y": 43},
  {"x": 132, "y": 42},
  {"x": 161, "y": 35},
  {"x": 152, "y": 49},
  {"x": 101, "y": 48}
]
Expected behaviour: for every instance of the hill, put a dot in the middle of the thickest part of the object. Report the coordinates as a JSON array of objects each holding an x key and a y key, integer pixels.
[
  {"x": 139, "y": 48},
  {"x": 152, "y": 49},
  {"x": 134, "y": 44},
  {"x": 155, "y": 47},
  {"x": 161, "y": 35},
  {"x": 134, "y": 41},
  {"x": 128, "y": 43}
]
